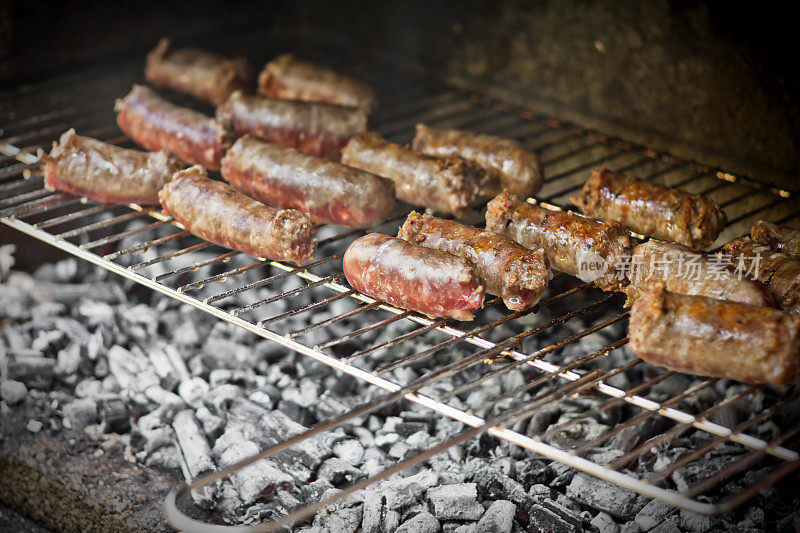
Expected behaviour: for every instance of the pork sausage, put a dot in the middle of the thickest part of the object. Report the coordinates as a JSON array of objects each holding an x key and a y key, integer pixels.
[
  {"x": 652, "y": 209},
  {"x": 434, "y": 283},
  {"x": 507, "y": 269},
  {"x": 566, "y": 238},
  {"x": 329, "y": 191},
  {"x": 701, "y": 335},
  {"x": 87, "y": 167},
  {"x": 447, "y": 185},
  {"x": 155, "y": 123},
  {"x": 214, "y": 211},
  {"x": 508, "y": 164},
  {"x": 782, "y": 239}
]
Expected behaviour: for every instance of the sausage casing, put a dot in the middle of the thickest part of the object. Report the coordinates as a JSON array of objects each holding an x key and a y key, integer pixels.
[
  {"x": 782, "y": 239},
  {"x": 509, "y": 165},
  {"x": 652, "y": 209},
  {"x": 562, "y": 235},
  {"x": 430, "y": 282},
  {"x": 206, "y": 76},
  {"x": 507, "y": 269},
  {"x": 288, "y": 77},
  {"x": 329, "y": 191},
  {"x": 686, "y": 271},
  {"x": 316, "y": 128},
  {"x": 446, "y": 185},
  {"x": 214, "y": 211},
  {"x": 779, "y": 272},
  {"x": 107, "y": 173},
  {"x": 155, "y": 123},
  {"x": 701, "y": 335}
]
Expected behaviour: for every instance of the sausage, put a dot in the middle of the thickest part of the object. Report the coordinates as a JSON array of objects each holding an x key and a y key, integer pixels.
[
  {"x": 292, "y": 78},
  {"x": 107, "y": 173},
  {"x": 779, "y": 272},
  {"x": 687, "y": 271},
  {"x": 206, "y": 76},
  {"x": 214, "y": 211},
  {"x": 701, "y": 335},
  {"x": 329, "y": 191},
  {"x": 508, "y": 164},
  {"x": 315, "y": 128},
  {"x": 652, "y": 209},
  {"x": 447, "y": 185},
  {"x": 155, "y": 123},
  {"x": 782, "y": 239},
  {"x": 566, "y": 238},
  {"x": 516, "y": 274},
  {"x": 434, "y": 283}
]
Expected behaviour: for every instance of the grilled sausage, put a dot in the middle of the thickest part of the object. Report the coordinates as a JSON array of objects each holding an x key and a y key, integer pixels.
[
  {"x": 779, "y": 272},
  {"x": 107, "y": 173},
  {"x": 565, "y": 237},
  {"x": 701, "y": 335},
  {"x": 782, "y": 239},
  {"x": 687, "y": 271},
  {"x": 315, "y": 128},
  {"x": 652, "y": 209},
  {"x": 514, "y": 273},
  {"x": 329, "y": 191},
  {"x": 507, "y": 164},
  {"x": 206, "y": 76},
  {"x": 155, "y": 123},
  {"x": 431, "y": 282},
  {"x": 447, "y": 185},
  {"x": 288, "y": 77},
  {"x": 214, "y": 211}
]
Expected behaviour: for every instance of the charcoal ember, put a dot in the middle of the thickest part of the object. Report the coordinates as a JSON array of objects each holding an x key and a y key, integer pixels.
[
  {"x": 377, "y": 518},
  {"x": 604, "y": 455},
  {"x": 604, "y": 523},
  {"x": 44, "y": 310},
  {"x": 193, "y": 390},
  {"x": 455, "y": 502},
  {"x": 375, "y": 461},
  {"x": 244, "y": 377},
  {"x": 669, "y": 526},
  {"x": 652, "y": 514},
  {"x": 695, "y": 472},
  {"x": 464, "y": 528},
  {"x": 577, "y": 432},
  {"x": 312, "y": 492},
  {"x": 13, "y": 392},
  {"x": 399, "y": 450},
  {"x": 421, "y": 440},
  {"x": 364, "y": 436},
  {"x": 498, "y": 517},
  {"x": 407, "y": 428},
  {"x": 543, "y": 419},
  {"x": 225, "y": 353},
  {"x": 533, "y": 471},
  {"x": 421, "y": 523},
  {"x": 330, "y": 405},
  {"x": 540, "y": 492},
  {"x": 164, "y": 398},
  {"x": 35, "y": 371},
  {"x": 88, "y": 388},
  {"x": 630, "y": 527},
  {"x": 81, "y": 413},
  {"x": 168, "y": 375},
  {"x": 696, "y": 522},
  {"x": 67, "y": 362},
  {"x": 94, "y": 312},
  {"x": 255, "y": 480},
  {"x": 196, "y": 454},
  {"x": 338, "y": 471},
  {"x": 132, "y": 369},
  {"x": 625, "y": 440},
  {"x": 493, "y": 484},
  {"x": 344, "y": 514},
  {"x": 563, "y": 474},
  {"x": 754, "y": 518},
  {"x": 213, "y": 425},
  {"x": 220, "y": 398},
  {"x": 604, "y": 496},
  {"x": 166, "y": 457},
  {"x": 349, "y": 450},
  {"x": 114, "y": 415},
  {"x": 543, "y": 518}
]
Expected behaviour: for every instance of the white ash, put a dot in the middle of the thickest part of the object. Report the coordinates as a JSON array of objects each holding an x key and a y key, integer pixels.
[{"x": 184, "y": 391}]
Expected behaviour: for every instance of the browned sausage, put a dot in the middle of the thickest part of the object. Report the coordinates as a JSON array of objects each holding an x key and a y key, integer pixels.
[
  {"x": 154, "y": 123},
  {"x": 206, "y": 76},
  {"x": 514, "y": 273},
  {"x": 447, "y": 185},
  {"x": 315, "y": 128},
  {"x": 330, "y": 192},
  {"x": 652, "y": 209},
  {"x": 687, "y": 271},
  {"x": 779, "y": 272},
  {"x": 509, "y": 165},
  {"x": 428, "y": 281},
  {"x": 288, "y": 77},
  {"x": 782, "y": 239},
  {"x": 214, "y": 211},
  {"x": 107, "y": 173},
  {"x": 701, "y": 335},
  {"x": 565, "y": 237}
]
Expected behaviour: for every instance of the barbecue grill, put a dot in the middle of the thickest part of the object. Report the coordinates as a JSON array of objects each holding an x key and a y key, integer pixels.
[{"x": 160, "y": 255}]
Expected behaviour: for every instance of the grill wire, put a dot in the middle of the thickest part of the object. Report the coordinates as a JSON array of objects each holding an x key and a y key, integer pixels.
[{"x": 143, "y": 245}]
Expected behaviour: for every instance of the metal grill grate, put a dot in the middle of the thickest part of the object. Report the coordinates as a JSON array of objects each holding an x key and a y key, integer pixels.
[{"x": 572, "y": 345}]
